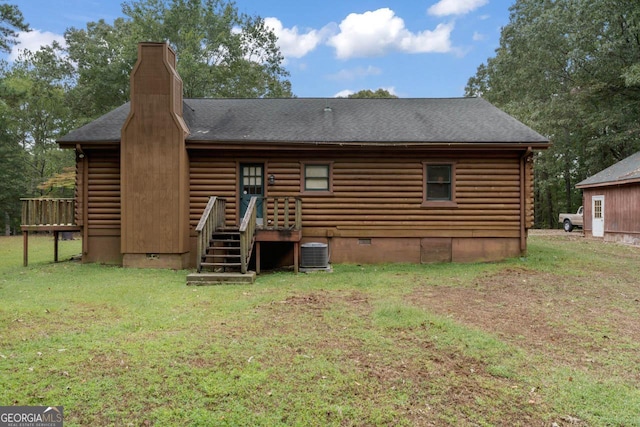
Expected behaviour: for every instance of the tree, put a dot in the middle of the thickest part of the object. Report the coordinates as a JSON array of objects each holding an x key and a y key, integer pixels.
[
  {"x": 104, "y": 56},
  {"x": 12, "y": 163},
  {"x": 35, "y": 92},
  {"x": 368, "y": 93},
  {"x": 220, "y": 52},
  {"x": 11, "y": 19},
  {"x": 569, "y": 69}
]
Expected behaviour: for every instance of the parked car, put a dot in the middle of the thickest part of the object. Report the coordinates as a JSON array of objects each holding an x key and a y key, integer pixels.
[{"x": 569, "y": 221}]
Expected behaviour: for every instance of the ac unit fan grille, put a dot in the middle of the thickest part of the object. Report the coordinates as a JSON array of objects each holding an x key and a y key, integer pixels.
[{"x": 314, "y": 255}]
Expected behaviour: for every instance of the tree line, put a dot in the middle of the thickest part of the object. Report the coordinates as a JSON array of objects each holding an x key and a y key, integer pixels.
[{"x": 570, "y": 69}]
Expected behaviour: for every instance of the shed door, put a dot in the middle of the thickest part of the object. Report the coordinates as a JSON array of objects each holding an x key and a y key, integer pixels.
[
  {"x": 251, "y": 184},
  {"x": 597, "y": 213}
]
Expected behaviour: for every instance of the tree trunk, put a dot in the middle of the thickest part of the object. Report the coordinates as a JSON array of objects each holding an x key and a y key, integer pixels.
[{"x": 7, "y": 224}]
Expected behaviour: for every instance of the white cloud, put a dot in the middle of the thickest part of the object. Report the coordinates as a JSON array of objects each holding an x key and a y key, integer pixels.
[
  {"x": 33, "y": 40},
  {"x": 355, "y": 73},
  {"x": 378, "y": 32},
  {"x": 346, "y": 92},
  {"x": 294, "y": 44},
  {"x": 478, "y": 36},
  {"x": 455, "y": 7},
  {"x": 391, "y": 90},
  {"x": 343, "y": 93}
]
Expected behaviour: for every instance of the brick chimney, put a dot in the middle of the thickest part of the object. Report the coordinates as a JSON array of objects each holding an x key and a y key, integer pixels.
[{"x": 154, "y": 165}]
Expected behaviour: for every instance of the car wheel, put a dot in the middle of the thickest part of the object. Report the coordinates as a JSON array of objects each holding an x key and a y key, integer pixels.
[{"x": 568, "y": 227}]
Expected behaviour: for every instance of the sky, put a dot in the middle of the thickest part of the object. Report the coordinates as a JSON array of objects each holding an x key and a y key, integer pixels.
[{"x": 412, "y": 48}]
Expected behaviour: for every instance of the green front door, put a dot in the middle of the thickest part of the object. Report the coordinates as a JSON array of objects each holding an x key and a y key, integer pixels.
[{"x": 251, "y": 185}]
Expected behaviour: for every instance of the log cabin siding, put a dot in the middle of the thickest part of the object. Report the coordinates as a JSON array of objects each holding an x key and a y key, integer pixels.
[
  {"x": 211, "y": 176},
  {"x": 103, "y": 202},
  {"x": 377, "y": 191}
]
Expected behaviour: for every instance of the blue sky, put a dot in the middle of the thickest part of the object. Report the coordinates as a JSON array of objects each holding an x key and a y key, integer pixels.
[{"x": 413, "y": 48}]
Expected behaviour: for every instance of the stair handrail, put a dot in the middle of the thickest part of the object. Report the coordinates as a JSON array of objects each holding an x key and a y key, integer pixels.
[
  {"x": 212, "y": 218},
  {"x": 247, "y": 233}
]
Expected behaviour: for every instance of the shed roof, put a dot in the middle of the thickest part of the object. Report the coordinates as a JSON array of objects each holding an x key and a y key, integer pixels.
[
  {"x": 333, "y": 120},
  {"x": 623, "y": 172}
]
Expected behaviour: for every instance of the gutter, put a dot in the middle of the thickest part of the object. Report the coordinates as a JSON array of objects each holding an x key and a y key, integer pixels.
[{"x": 526, "y": 157}]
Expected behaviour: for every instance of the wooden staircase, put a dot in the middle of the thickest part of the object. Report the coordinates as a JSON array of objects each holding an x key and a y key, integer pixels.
[{"x": 223, "y": 252}]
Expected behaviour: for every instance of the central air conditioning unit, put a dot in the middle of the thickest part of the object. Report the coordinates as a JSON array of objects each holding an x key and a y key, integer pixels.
[{"x": 314, "y": 255}]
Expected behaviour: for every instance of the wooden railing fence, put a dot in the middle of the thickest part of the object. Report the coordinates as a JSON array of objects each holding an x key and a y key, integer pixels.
[
  {"x": 48, "y": 212},
  {"x": 282, "y": 213}
]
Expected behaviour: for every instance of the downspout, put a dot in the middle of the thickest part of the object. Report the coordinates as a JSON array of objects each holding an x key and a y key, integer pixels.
[
  {"x": 85, "y": 201},
  {"x": 523, "y": 201}
]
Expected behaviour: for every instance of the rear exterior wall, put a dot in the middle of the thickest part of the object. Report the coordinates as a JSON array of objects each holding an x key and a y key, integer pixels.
[{"x": 375, "y": 211}]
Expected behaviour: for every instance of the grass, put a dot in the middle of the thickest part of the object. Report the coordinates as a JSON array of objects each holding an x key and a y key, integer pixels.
[{"x": 547, "y": 338}]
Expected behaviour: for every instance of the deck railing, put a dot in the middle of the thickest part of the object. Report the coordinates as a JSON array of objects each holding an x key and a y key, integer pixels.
[
  {"x": 48, "y": 212},
  {"x": 212, "y": 218},
  {"x": 282, "y": 213},
  {"x": 247, "y": 234}
]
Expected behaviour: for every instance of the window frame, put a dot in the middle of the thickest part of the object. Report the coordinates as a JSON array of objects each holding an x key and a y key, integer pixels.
[
  {"x": 451, "y": 203},
  {"x": 303, "y": 178}
]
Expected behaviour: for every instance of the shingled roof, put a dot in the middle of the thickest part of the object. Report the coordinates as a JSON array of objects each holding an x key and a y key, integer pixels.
[
  {"x": 624, "y": 172},
  {"x": 333, "y": 120}
]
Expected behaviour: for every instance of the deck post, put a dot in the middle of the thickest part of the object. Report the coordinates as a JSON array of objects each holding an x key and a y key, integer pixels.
[
  {"x": 257, "y": 257},
  {"x": 55, "y": 245},
  {"x": 296, "y": 252},
  {"x": 25, "y": 247}
]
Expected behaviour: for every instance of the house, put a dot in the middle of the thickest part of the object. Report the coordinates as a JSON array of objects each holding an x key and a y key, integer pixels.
[
  {"x": 375, "y": 180},
  {"x": 611, "y": 200}
]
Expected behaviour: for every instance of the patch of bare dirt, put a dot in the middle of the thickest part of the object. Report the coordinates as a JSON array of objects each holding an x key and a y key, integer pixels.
[{"x": 549, "y": 314}]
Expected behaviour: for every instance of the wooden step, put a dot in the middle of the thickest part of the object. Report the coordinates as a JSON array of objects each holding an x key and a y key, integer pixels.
[
  {"x": 221, "y": 256},
  {"x": 221, "y": 264},
  {"x": 223, "y": 248},
  {"x": 215, "y": 278}
]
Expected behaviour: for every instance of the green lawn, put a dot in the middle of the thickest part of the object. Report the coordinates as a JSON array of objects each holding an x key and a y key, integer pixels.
[{"x": 552, "y": 337}]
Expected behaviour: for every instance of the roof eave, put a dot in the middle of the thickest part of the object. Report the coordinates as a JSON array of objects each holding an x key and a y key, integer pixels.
[
  {"x": 194, "y": 143},
  {"x": 94, "y": 144},
  {"x": 609, "y": 183}
]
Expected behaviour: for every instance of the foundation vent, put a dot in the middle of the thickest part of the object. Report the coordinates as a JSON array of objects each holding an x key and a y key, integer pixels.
[{"x": 314, "y": 255}]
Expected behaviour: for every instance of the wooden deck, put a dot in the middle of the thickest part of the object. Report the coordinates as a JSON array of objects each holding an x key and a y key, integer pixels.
[{"x": 46, "y": 215}]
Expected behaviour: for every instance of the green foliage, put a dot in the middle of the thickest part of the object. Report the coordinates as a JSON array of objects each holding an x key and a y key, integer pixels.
[
  {"x": 13, "y": 160},
  {"x": 35, "y": 94},
  {"x": 220, "y": 52},
  {"x": 368, "y": 93},
  {"x": 570, "y": 70},
  {"x": 104, "y": 55},
  {"x": 11, "y": 19}
]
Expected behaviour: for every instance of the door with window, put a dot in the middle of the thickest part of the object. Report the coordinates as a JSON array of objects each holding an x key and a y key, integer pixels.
[
  {"x": 251, "y": 184},
  {"x": 597, "y": 216}
]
